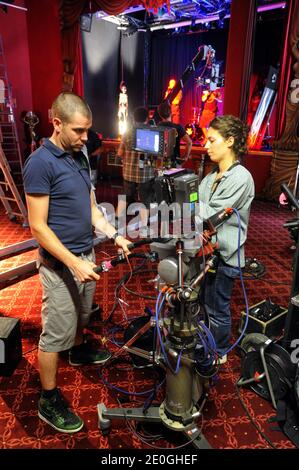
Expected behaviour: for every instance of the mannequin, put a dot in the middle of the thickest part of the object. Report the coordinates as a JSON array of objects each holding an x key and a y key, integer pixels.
[{"x": 122, "y": 109}]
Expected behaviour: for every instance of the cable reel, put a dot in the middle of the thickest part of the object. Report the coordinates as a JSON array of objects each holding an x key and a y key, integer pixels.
[{"x": 266, "y": 367}]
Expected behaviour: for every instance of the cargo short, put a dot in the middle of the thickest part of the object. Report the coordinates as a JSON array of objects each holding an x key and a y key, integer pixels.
[{"x": 65, "y": 302}]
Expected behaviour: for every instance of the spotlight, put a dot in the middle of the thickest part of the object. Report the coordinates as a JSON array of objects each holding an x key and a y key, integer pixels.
[
  {"x": 4, "y": 7},
  {"x": 85, "y": 22}
]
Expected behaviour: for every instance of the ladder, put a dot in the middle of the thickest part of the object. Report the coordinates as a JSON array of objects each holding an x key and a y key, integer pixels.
[
  {"x": 9, "y": 192},
  {"x": 11, "y": 162}
]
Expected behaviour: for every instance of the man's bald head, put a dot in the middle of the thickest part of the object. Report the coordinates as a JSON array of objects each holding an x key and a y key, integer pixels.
[{"x": 67, "y": 104}]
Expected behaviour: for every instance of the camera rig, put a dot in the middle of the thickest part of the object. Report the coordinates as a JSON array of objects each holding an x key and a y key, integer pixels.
[{"x": 184, "y": 345}]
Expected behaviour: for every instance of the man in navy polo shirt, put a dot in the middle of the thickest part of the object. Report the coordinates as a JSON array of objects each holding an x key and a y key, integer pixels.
[{"x": 62, "y": 211}]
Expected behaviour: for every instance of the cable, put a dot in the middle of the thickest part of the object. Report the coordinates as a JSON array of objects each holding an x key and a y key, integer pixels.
[
  {"x": 252, "y": 419},
  {"x": 143, "y": 296},
  {"x": 119, "y": 285},
  {"x": 142, "y": 439},
  {"x": 243, "y": 288},
  {"x": 30, "y": 350},
  {"x": 158, "y": 310},
  {"x": 121, "y": 390}
]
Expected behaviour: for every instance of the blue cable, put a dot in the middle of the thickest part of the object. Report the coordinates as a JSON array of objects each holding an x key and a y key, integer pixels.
[
  {"x": 206, "y": 360},
  {"x": 209, "y": 334},
  {"x": 208, "y": 343},
  {"x": 129, "y": 393},
  {"x": 150, "y": 397},
  {"x": 158, "y": 309},
  {"x": 243, "y": 286}
]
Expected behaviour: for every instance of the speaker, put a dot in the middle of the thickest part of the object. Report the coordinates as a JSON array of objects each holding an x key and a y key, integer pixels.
[{"x": 10, "y": 345}]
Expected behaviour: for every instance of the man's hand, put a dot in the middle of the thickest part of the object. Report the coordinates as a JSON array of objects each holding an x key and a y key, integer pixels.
[
  {"x": 123, "y": 243},
  {"x": 83, "y": 270}
]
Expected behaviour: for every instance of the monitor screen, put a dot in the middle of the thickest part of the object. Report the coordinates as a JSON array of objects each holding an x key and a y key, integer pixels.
[{"x": 147, "y": 140}]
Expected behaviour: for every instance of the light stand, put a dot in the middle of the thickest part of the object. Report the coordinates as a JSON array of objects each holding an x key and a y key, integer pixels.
[{"x": 180, "y": 410}]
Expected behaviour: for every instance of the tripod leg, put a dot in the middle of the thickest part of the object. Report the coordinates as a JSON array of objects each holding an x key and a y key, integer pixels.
[
  {"x": 137, "y": 414},
  {"x": 104, "y": 424},
  {"x": 197, "y": 438},
  {"x": 137, "y": 335}
]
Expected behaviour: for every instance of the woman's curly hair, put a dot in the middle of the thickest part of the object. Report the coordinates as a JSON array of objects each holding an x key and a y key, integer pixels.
[{"x": 231, "y": 126}]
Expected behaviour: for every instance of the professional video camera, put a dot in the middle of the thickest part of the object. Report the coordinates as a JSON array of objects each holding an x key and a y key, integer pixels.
[
  {"x": 154, "y": 144},
  {"x": 177, "y": 185}
]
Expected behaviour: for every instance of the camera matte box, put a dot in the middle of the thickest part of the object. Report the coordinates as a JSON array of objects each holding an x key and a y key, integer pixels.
[{"x": 270, "y": 328}]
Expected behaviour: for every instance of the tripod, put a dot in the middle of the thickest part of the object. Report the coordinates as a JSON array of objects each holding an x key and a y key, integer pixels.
[
  {"x": 184, "y": 388},
  {"x": 178, "y": 411}
]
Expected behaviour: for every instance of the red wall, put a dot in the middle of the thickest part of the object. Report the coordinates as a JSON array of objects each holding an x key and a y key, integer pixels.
[
  {"x": 13, "y": 30},
  {"x": 259, "y": 165},
  {"x": 45, "y": 57},
  {"x": 31, "y": 42}
]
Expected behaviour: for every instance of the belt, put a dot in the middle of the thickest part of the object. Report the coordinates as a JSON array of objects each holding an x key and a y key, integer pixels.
[
  {"x": 54, "y": 263},
  {"x": 84, "y": 253}
]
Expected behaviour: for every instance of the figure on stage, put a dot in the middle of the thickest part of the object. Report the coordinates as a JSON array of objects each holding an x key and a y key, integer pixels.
[
  {"x": 255, "y": 100},
  {"x": 175, "y": 104},
  {"x": 210, "y": 101},
  {"x": 122, "y": 109}
]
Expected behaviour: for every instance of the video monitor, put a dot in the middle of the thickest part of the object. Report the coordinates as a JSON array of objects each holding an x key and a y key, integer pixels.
[
  {"x": 154, "y": 140},
  {"x": 147, "y": 140}
]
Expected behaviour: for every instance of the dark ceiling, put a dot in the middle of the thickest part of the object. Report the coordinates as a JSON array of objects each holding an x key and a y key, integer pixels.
[{"x": 181, "y": 13}]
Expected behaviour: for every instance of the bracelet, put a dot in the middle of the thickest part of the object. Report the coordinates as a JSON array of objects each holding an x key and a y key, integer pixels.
[{"x": 114, "y": 237}]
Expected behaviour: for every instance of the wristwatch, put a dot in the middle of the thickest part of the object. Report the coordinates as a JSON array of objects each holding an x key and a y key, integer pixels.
[{"x": 114, "y": 237}]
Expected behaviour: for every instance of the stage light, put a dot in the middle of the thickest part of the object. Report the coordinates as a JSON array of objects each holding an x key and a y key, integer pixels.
[
  {"x": 85, "y": 22},
  {"x": 8, "y": 3},
  {"x": 209, "y": 18}
]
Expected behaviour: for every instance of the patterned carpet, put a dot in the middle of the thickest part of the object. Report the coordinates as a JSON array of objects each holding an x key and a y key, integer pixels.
[{"x": 225, "y": 424}]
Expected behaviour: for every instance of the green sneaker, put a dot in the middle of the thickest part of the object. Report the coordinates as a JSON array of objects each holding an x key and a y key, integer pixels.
[
  {"x": 83, "y": 355},
  {"x": 55, "y": 412}
]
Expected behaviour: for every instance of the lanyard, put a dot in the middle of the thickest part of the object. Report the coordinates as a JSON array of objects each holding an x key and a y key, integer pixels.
[{"x": 216, "y": 183}]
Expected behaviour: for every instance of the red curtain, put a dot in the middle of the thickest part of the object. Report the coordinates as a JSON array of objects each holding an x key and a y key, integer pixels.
[
  {"x": 78, "y": 75},
  {"x": 239, "y": 57},
  {"x": 70, "y": 12},
  {"x": 285, "y": 70}
]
